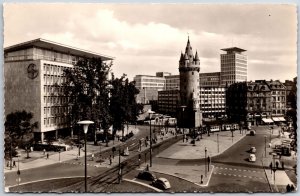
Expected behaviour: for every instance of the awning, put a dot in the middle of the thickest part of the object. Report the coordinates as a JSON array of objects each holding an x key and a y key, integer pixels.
[
  {"x": 281, "y": 119},
  {"x": 275, "y": 119},
  {"x": 267, "y": 120}
]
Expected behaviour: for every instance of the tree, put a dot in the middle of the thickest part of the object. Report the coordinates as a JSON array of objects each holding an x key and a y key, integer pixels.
[
  {"x": 123, "y": 105},
  {"x": 17, "y": 126},
  {"x": 86, "y": 87}
]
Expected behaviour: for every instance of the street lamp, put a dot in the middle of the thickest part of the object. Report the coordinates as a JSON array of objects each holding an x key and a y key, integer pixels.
[
  {"x": 18, "y": 172},
  {"x": 265, "y": 146},
  {"x": 205, "y": 150},
  {"x": 85, "y": 124},
  {"x": 232, "y": 129},
  {"x": 218, "y": 141},
  {"x": 273, "y": 167},
  {"x": 182, "y": 123},
  {"x": 150, "y": 112}
]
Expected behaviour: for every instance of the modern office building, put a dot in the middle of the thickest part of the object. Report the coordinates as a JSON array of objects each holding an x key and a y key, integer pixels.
[
  {"x": 172, "y": 82},
  {"x": 233, "y": 66},
  {"x": 168, "y": 101},
  {"x": 149, "y": 87},
  {"x": 33, "y": 74}
]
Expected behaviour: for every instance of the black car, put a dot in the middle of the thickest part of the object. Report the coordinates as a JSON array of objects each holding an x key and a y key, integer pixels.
[{"x": 146, "y": 175}]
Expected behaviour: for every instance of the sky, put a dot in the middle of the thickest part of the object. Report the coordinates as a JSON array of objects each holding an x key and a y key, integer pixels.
[{"x": 148, "y": 38}]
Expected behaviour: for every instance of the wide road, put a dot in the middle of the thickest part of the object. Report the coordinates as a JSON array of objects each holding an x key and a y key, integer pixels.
[
  {"x": 67, "y": 169},
  {"x": 234, "y": 173}
]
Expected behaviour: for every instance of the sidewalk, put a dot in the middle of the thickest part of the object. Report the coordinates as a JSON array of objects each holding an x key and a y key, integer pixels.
[
  {"x": 281, "y": 178},
  {"x": 39, "y": 159},
  {"x": 215, "y": 144},
  {"x": 189, "y": 173}
]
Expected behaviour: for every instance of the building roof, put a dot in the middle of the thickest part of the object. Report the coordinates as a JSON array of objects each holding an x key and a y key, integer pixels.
[
  {"x": 47, "y": 44},
  {"x": 233, "y": 49}
]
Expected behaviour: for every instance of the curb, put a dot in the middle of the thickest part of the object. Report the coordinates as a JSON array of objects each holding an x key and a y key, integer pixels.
[
  {"x": 143, "y": 184},
  {"x": 201, "y": 185},
  {"x": 217, "y": 154},
  {"x": 8, "y": 187}
]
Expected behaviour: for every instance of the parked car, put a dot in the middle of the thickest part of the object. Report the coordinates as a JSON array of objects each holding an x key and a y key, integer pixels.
[
  {"x": 252, "y": 149},
  {"x": 252, "y": 158},
  {"x": 146, "y": 175},
  {"x": 161, "y": 183},
  {"x": 252, "y": 132},
  {"x": 125, "y": 152}
]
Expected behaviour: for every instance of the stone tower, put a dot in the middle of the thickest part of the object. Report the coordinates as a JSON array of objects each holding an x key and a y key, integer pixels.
[{"x": 189, "y": 114}]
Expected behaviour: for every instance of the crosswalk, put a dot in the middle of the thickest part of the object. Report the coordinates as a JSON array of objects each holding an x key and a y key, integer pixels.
[{"x": 239, "y": 173}]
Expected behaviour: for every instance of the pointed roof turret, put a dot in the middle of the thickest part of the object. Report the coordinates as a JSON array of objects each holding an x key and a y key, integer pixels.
[
  {"x": 181, "y": 57},
  {"x": 196, "y": 56},
  {"x": 186, "y": 57},
  {"x": 188, "y": 48}
]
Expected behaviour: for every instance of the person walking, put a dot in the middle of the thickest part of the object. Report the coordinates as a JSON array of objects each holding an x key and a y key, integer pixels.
[
  {"x": 140, "y": 156},
  {"x": 14, "y": 163},
  {"x": 47, "y": 155},
  {"x": 288, "y": 188},
  {"x": 44, "y": 151},
  {"x": 292, "y": 188},
  {"x": 110, "y": 160}
]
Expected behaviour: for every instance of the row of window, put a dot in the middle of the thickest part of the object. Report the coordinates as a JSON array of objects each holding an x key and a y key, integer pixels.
[
  {"x": 54, "y": 121},
  {"x": 52, "y": 111},
  {"x": 53, "y": 90},
  {"x": 50, "y": 80},
  {"x": 56, "y": 100}
]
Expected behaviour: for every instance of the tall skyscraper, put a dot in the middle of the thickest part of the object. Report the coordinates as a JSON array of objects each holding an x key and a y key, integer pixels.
[
  {"x": 233, "y": 66},
  {"x": 189, "y": 69}
]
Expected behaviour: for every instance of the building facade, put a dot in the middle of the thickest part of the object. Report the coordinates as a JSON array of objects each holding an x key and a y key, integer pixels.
[
  {"x": 233, "y": 66},
  {"x": 168, "y": 101},
  {"x": 256, "y": 102},
  {"x": 149, "y": 87},
  {"x": 33, "y": 73}
]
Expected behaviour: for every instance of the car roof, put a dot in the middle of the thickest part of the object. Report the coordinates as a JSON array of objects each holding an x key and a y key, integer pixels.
[{"x": 163, "y": 179}]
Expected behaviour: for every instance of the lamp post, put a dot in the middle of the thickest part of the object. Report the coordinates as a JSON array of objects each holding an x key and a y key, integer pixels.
[
  {"x": 265, "y": 146},
  {"x": 205, "y": 150},
  {"x": 150, "y": 112},
  {"x": 85, "y": 124},
  {"x": 273, "y": 167},
  {"x": 182, "y": 121},
  {"x": 18, "y": 172},
  {"x": 232, "y": 129},
  {"x": 218, "y": 142},
  {"x": 120, "y": 172}
]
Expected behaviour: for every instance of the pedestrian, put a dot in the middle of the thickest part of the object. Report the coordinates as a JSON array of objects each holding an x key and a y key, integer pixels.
[
  {"x": 7, "y": 164},
  {"x": 93, "y": 157},
  {"x": 110, "y": 161},
  {"x": 288, "y": 188},
  {"x": 44, "y": 151},
  {"x": 277, "y": 164},
  {"x": 47, "y": 156},
  {"x": 140, "y": 156},
  {"x": 147, "y": 167},
  {"x": 14, "y": 163},
  {"x": 292, "y": 188}
]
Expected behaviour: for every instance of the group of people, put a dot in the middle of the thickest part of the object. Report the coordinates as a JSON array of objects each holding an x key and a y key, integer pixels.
[{"x": 290, "y": 188}]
